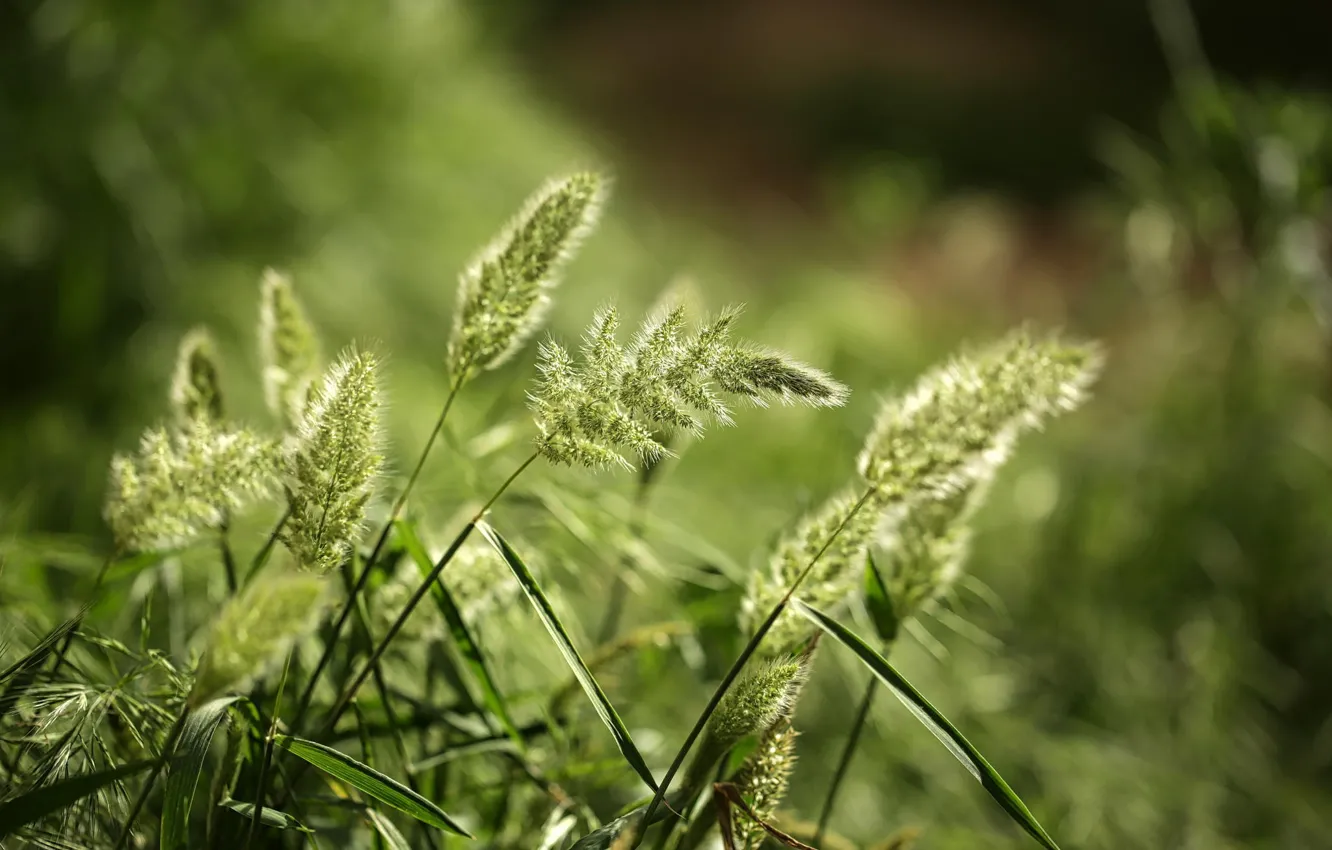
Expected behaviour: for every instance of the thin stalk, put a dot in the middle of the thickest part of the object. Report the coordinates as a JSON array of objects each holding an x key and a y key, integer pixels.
[
  {"x": 69, "y": 638},
  {"x": 228, "y": 557},
  {"x": 261, "y": 557},
  {"x": 844, "y": 763},
  {"x": 738, "y": 666},
  {"x": 619, "y": 590},
  {"x": 167, "y": 749},
  {"x": 268, "y": 755},
  {"x": 347, "y": 607},
  {"x": 341, "y": 705}
]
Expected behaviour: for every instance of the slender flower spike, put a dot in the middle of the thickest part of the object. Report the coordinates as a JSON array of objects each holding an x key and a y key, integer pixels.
[
  {"x": 763, "y": 781},
  {"x": 288, "y": 347},
  {"x": 503, "y": 295},
  {"x": 254, "y": 630},
  {"x": 182, "y": 484},
  {"x": 759, "y": 700},
  {"x": 332, "y": 464},
  {"x": 924, "y": 551},
  {"x": 960, "y": 420},
  {"x": 667, "y": 379},
  {"x": 195, "y": 388}
]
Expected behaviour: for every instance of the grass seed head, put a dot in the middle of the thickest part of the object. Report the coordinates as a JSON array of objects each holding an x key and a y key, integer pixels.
[
  {"x": 196, "y": 390},
  {"x": 288, "y": 347},
  {"x": 505, "y": 292},
  {"x": 760, "y": 699},
  {"x": 333, "y": 463}
]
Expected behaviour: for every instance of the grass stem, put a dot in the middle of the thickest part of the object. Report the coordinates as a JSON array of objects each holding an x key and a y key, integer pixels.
[{"x": 844, "y": 763}]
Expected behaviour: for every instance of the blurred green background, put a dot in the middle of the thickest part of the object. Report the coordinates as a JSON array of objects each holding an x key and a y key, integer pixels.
[{"x": 1144, "y": 644}]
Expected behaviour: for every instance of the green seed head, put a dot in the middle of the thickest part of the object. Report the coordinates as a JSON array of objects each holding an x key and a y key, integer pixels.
[
  {"x": 254, "y": 631},
  {"x": 288, "y": 347},
  {"x": 332, "y": 465},
  {"x": 763, "y": 781},
  {"x": 759, "y": 700},
  {"x": 196, "y": 391},
  {"x": 504, "y": 294}
]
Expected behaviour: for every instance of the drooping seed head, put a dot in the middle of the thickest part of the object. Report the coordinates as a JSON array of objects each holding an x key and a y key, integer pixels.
[
  {"x": 196, "y": 390},
  {"x": 288, "y": 347},
  {"x": 332, "y": 465},
  {"x": 504, "y": 293},
  {"x": 255, "y": 630},
  {"x": 763, "y": 781},
  {"x": 961, "y": 419}
]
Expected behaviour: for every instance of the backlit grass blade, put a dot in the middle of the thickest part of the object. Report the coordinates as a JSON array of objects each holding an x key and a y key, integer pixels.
[
  {"x": 196, "y": 736},
  {"x": 48, "y": 799},
  {"x": 268, "y": 817},
  {"x": 571, "y": 657},
  {"x": 934, "y": 720},
  {"x": 879, "y": 603},
  {"x": 370, "y": 782},
  {"x": 462, "y": 635}
]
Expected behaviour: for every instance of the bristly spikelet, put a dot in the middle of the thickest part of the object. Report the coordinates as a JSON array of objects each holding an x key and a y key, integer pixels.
[
  {"x": 763, "y": 781},
  {"x": 960, "y": 419},
  {"x": 288, "y": 347},
  {"x": 503, "y": 295},
  {"x": 332, "y": 465},
  {"x": 254, "y": 630},
  {"x": 196, "y": 390},
  {"x": 759, "y": 700},
  {"x": 621, "y": 398},
  {"x": 182, "y": 484}
]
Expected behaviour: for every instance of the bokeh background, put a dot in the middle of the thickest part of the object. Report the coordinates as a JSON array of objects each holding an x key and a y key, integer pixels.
[{"x": 1144, "y": 641}]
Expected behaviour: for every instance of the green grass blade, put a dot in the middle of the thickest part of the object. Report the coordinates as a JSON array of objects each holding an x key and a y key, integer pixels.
[
  {"x": 195, "y": 739},
  {"x": 879, "y": 603},
  {"x": 38, "y": 803},
  {"x": 571, "y": 657},
  {"x": 462, "y": 636},
  {"x": 934, "y": 720},
  {"x": 393, "y": 838},
  {"x": 370, "y": 782},
  {"x": 268, "y": 817}
]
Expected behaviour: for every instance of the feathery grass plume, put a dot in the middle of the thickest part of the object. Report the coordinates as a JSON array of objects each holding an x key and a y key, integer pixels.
[
  {"x": 288, "y": 347},
  {"x": 503, "y": 295},
  {"x": 180, "y": 485},
  {"x": 941, "y": 442},
  {"x": 333, "y": 463},
  {"x": 960, "y": 419},
  {"x": 254, "y": 630},
  {"x": 613, "y": 400},
  {"x": 196, "y": 390},
  {"x": 759, "y": 700},
  {"x": 763, "y": 780}
]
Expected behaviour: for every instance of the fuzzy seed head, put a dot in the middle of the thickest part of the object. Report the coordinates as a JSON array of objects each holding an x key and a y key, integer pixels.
[
  {"x": 288, "y": 347},
  {"x": 923, "y": 553},
  {"x": 961, "y": 419},
  {"x": 763, "y": 781},
  {"x": 182, "y": 484},
  {"x": 665, "y": 381},
  {"x": 505, "y": 292},
  {"x": 254, "y": 631},
  {"x": 196, "y": 390},
  {"x": 332, "y": 465},
  {"x": 759, "y": 700}
]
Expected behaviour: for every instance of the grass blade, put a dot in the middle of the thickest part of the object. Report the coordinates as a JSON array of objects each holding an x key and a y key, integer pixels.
[
  {"x": 879, "y": 603},
  {"x": 20, "y": 675},
  {"x": 393, "y": 839},
  {"x": 934, "y": 720},
  {"x": 462, "y": 636},
  {"x": 195, "y": 739},
  {"x": 38, "y": 803},
  {"x": 268, "y": 817},
  {"x": 557, "y": 631},
  {"x": 369, "y": 781}
]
